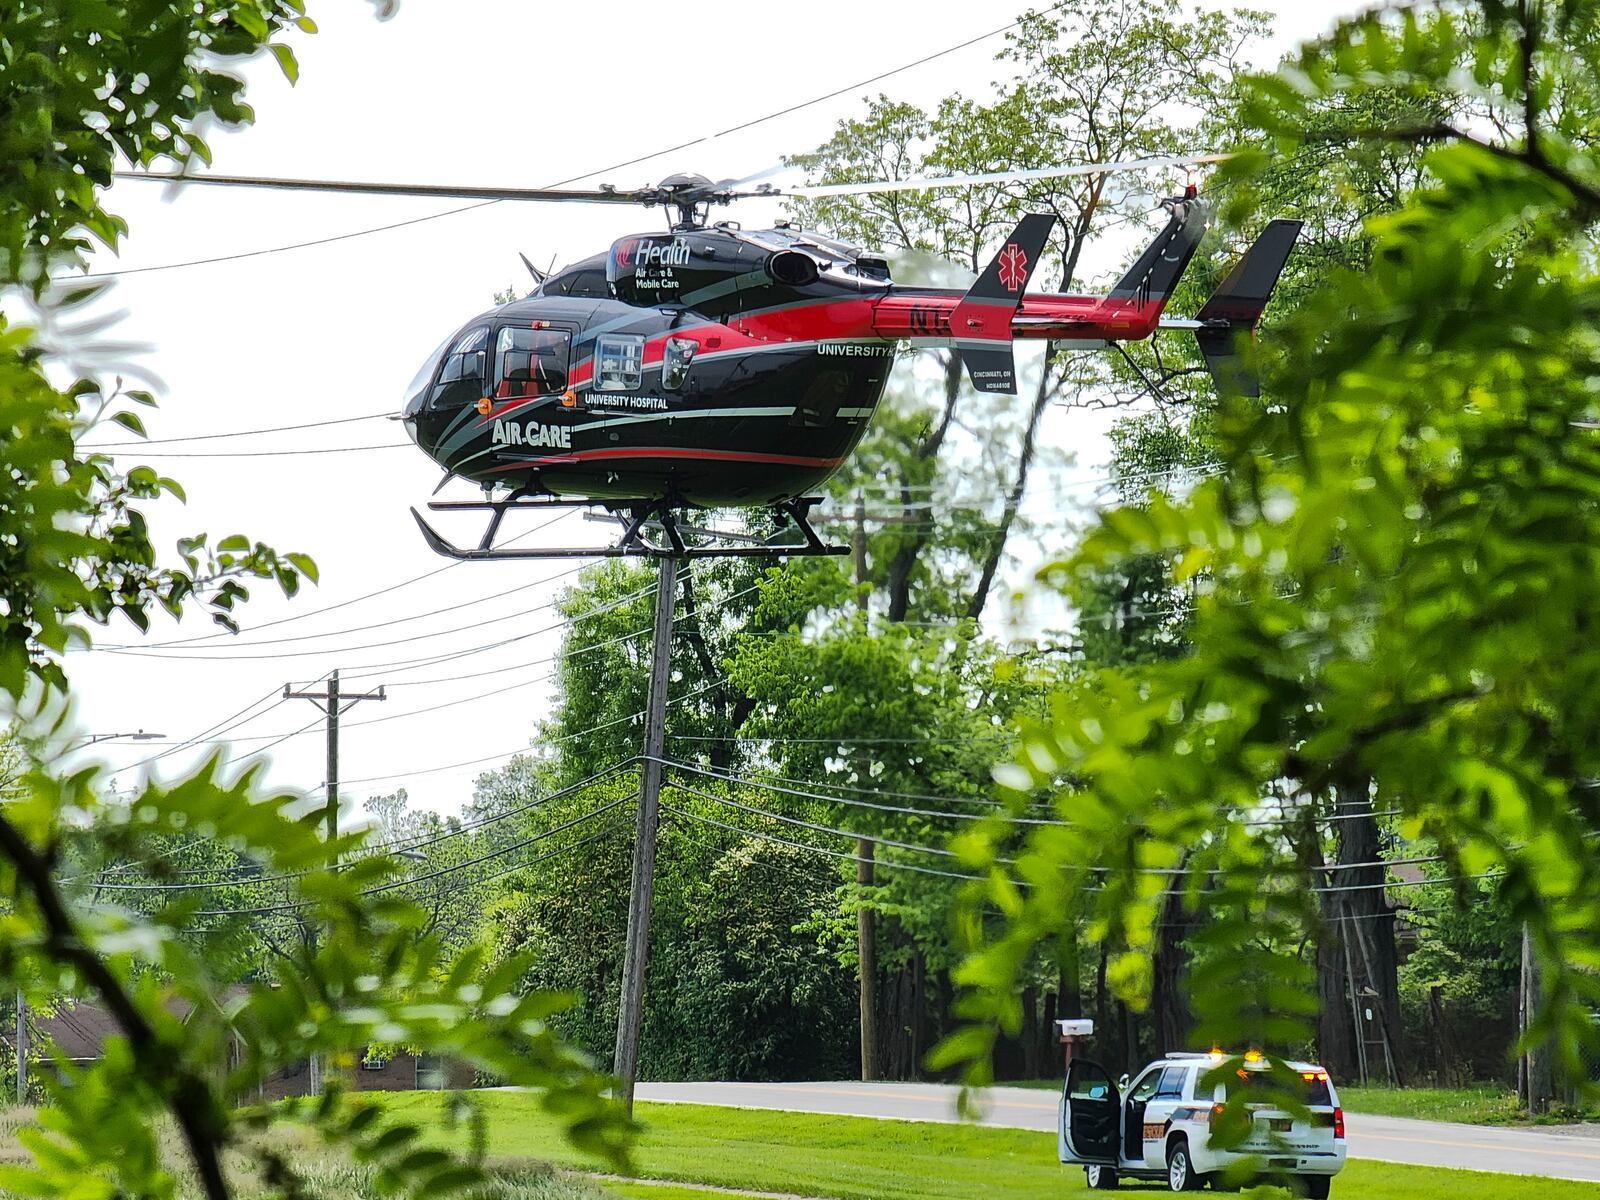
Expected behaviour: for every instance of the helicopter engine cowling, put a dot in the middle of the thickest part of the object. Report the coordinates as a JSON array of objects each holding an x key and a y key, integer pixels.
[
  {"x": 717, "y": 271},
  {"x": 700, "y": 268}
]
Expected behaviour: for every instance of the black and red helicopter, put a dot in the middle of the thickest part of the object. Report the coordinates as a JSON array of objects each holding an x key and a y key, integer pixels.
[{"x": 710, "y": 366}]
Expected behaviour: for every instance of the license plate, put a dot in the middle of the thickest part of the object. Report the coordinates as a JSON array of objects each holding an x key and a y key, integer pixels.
[{"x": 1280, "y": 1124}]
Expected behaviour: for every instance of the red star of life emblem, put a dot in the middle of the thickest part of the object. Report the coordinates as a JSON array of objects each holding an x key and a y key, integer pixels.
[{"x": 1013, "y": 267}]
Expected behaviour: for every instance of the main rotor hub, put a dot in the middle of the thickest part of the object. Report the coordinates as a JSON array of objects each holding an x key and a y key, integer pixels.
[{"x": 689, "y": 197}]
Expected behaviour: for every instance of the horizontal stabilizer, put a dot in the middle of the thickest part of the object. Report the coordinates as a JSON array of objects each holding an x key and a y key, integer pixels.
[
  {"x": 981, "y": 322},
  {"x": 1235, "y": 308}
]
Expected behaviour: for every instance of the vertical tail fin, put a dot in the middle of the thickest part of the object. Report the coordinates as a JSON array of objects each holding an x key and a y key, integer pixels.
[
  {"x": 1236, "y": 306},
  {"x": 981, "y": 322},
  {"x": 1151, "y": 279}
]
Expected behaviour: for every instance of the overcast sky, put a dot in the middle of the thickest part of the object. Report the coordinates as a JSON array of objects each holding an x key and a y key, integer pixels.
[{"x": 469, "y": 92}]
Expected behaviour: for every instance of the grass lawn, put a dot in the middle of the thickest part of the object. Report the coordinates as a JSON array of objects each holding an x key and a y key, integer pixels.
[
  {"x": 658, "y": 1191},
  {"x": 853, "y": 1158},
  {"x": 1480, "y": 1104}
]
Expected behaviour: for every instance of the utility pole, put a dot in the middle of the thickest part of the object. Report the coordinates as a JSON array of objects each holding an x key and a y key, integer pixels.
[
  {"x": 333, "y": 702},
  {"x": 866, "y": 932},
  {"x": 22, "y": 1048},
  {"x": 636, "y": 953}
]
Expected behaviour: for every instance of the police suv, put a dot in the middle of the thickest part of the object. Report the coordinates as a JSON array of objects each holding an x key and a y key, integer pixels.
[{"x": 1158, "y": 1126}]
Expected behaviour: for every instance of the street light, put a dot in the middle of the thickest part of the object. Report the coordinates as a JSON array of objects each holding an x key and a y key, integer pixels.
[{"x": 138, "y": 736}]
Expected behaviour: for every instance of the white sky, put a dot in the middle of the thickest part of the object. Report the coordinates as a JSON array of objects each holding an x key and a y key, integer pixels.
[{"x": 475, "y": 92}]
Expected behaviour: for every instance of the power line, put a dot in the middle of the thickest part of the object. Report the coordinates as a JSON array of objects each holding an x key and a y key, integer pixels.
[
  {"x": 258, "y": 453},
  {"x": 566, "y": 737},
  {"x": 210, "y": 437},
  {"x": 131, "y": 650},
  {"x": 246, "y": 644},
  {"x": 383, "y": 591},
  {"x": 560, "y": 655},
  {"x": 294, "y": 906},
  {"x": 921, "y": 741},
  {"x": 376, "y": 848},
  {"x": 772, "y": 116},
  {"x": 888, "y": 808},
  {"x": 814, "y": 826},
  {"x": 782, "y": 841}
]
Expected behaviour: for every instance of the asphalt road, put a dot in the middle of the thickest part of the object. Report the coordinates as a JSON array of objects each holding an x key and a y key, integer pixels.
[{"x": 1558, "y": 1153}]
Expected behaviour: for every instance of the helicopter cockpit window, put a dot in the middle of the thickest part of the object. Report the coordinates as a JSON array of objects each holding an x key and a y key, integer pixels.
[
  {"x": 530, "y": 362},
  {"x": 461, "y": 377},
  {"x": 619, "y": 362}
]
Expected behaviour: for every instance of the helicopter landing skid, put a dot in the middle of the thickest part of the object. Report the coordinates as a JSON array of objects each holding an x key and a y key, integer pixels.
[{"x": 634, "y": 516}]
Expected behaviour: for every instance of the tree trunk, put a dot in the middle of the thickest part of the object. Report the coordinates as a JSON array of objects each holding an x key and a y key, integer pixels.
[
  {"x": 1359, "y": 932},
  {"x": 1127, "y": 1025},
  {"x": 997, "y": 543},
  {"x": 1336, "y": 1033},
  {"x": 1169, "y": 999},
  {"x": 1069, "y": 1006},
  {"x": 1102, "y": 1007},
  {"x": 1029, "y": 1039},
  {"x": 903, "y": 564}
]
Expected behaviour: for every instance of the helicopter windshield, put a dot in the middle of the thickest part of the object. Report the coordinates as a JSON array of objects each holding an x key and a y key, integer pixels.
[{"x": 417, "y": 389}]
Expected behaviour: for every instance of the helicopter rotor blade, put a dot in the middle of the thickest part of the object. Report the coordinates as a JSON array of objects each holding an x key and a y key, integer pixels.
[
  {"x": 918, "y": 183},
  {"x": 602, "y": 195}
]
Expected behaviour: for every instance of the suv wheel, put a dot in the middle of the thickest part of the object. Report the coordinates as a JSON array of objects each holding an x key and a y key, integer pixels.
[
  {"x": 1316, "y": 1186},
  {"x": 1101, "y": 1179},
  {"x": 1180, "y": 1169}
]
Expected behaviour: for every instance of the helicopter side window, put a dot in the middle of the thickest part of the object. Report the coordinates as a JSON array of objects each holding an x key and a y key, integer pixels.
[
  {"x": 675, "y": 360},
  {"x": 530, "y": 362},
  {"x": 619, "y": 363},
  {"x": 584, "y": 283},
  {"x": 462, "y": 375}
]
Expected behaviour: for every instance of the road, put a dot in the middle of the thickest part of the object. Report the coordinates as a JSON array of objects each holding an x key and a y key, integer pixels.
[{"x": 1557, "y": 1153}]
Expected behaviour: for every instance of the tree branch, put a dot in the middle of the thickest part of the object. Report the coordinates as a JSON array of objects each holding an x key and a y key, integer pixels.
[{"x": 188, "y": 1096}]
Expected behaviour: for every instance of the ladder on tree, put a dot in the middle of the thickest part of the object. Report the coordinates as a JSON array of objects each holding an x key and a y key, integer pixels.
[{"x": 1371, "y": 1030}]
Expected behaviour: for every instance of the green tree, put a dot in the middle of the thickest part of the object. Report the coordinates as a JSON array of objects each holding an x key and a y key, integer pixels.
[
  {"x": 1398, "y": 566},
  {"x": 81, "y": 85}
]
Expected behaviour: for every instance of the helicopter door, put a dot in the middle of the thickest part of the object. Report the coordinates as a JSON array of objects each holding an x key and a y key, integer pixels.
[{"x": 465, "y": 368}]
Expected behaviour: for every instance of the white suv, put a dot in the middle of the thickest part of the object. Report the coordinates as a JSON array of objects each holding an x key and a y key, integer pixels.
[{"x": 1159, "y": 1127}]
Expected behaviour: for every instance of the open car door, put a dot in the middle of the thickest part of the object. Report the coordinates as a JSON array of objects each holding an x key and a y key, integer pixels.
[{"x": 1090, "y": 1106}]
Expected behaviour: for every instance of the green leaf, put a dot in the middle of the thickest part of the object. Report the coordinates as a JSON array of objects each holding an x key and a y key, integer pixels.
[{"x": 286, "y": 61}]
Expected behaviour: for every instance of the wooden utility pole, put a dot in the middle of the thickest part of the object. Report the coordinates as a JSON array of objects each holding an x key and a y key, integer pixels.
[
  {"x": 1536, "y": 1076},
  {"x": 636, "y": 953},
  {"x": 22, "y": 1048},
  {"x": 866, "y": 932},
  {"x": 333, "y": 702}
]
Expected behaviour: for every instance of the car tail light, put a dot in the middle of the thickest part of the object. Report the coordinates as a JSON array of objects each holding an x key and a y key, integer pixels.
[
  {"x": 1338, "y": 1123},
  {"x": 1216, "y": 1111}
]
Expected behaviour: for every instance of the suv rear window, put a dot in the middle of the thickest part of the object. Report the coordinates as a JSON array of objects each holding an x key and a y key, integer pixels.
[
  {"x": 1316, "y": 1090},
  {"x": 1314, "y": 1093}
]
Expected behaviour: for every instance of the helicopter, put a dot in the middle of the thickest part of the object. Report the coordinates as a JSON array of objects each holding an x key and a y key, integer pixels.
[{"x": 711, "y": 366}]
